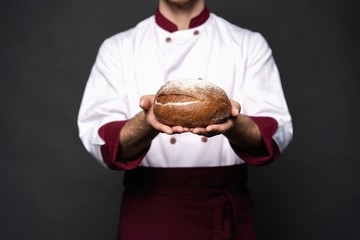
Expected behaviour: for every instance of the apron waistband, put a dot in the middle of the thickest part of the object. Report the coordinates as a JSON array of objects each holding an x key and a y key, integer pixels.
[{"x": 186, "y": 181}]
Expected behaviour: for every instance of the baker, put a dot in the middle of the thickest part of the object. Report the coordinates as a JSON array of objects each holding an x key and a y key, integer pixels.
[{"x": 184, "y": 182}]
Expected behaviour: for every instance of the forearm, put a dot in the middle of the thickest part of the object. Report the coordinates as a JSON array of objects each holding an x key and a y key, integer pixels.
[
  {"x": 135, "y": 137},
  {"x": 246, "y": 135}
]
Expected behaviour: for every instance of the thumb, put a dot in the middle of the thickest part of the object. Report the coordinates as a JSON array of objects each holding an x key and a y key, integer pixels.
[
  {"x": 146, "y": 102},
  {"x": 235, "y": 108}
]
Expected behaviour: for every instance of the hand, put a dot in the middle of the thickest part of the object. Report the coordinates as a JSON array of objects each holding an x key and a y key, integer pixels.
[
  {"x": 216, "y": 129},
  {"x": 146, "y": 103}
]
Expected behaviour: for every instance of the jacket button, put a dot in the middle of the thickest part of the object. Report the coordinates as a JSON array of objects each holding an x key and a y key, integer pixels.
[
  {"x": 168, "y": 39},
  {"x": 204, "y": 139},
  {"x": 172, "y": 140}
]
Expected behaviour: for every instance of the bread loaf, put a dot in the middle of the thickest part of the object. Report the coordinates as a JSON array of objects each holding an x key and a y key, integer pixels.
[{"x": 191, "y": 103}]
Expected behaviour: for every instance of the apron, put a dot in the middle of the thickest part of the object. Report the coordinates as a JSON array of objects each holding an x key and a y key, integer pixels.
[{"x": 202, "y": 203}]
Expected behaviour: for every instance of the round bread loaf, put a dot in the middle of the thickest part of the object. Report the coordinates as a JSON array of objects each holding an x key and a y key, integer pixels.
[{"x": 191, "y": 103}]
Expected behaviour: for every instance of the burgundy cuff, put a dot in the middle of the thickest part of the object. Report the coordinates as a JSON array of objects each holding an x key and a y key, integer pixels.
[
  {"x": 109, "y": 151},
  {"x": 267, "y": 127}
]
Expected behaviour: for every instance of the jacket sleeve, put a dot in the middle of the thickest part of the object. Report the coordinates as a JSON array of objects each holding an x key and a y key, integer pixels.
[
  {"x": 268, "y": 126},
  {"x": 264, "y": 101},
  {"x": 104, "y": 109},
  {"x": 109, "y": 150}
]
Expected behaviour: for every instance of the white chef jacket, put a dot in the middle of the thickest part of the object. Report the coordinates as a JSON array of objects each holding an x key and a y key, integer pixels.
[{"x": 140, "y": 60}]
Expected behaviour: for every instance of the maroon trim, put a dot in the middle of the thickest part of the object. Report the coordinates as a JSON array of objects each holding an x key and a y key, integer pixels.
[
  {"x": 171, "y": 27},
  {"x": 268, "y": 127},
  {"x": 200, "y": 19},
  {"x": 109, "y": 151},
  {"x": 164, "y": 23}
]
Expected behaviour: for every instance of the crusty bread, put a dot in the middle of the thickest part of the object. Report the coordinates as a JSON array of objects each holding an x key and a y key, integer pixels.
[{"x": 191, "y": 103}]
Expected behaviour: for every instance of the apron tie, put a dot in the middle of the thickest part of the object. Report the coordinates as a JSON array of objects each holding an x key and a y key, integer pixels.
[{"x": 225, "y": 217}]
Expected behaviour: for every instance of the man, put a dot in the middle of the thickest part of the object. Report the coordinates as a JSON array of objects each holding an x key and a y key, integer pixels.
[{"x": 184, "y": 183}]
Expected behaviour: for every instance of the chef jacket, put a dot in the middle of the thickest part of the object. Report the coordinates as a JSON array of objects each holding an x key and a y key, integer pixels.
[{"x": 140, "y": 60}]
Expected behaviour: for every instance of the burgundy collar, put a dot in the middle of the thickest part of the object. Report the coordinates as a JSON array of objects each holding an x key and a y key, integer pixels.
[{"x": 171, "y": 27}]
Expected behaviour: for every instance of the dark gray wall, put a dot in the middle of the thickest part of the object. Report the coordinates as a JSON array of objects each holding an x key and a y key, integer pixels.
[{"x": 50, "y": 188}]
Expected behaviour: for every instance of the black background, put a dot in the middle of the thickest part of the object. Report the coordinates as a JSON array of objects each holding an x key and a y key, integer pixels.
[{"x": 50, "y": 187}]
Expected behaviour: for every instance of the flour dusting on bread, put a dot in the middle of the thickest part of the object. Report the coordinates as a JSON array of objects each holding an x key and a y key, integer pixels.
[{"x": 191, "y": 103}]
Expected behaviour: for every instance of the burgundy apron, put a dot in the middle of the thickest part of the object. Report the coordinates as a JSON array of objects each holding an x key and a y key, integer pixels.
[{"x": 202, "y": 203}]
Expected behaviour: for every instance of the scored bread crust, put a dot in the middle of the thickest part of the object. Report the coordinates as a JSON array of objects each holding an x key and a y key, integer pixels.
[{"x": 191, "y": 103}]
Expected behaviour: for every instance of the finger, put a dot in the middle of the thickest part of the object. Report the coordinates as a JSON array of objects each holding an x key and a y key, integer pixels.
[
  {"x": 151, "y": 119},
  {"x": 198, "y": 130},
  {"x": 163, "y": 128},
  {"x": 214, "y": 128},
  {"x": 186, "y": 129},
  {"x": 235, "y": 108},
  {"x": 167, "y": 130},
  {"x": 146, "y": 102},
  {"x": 219, "y": 128},
  {"x": 177, "y": 129}
]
